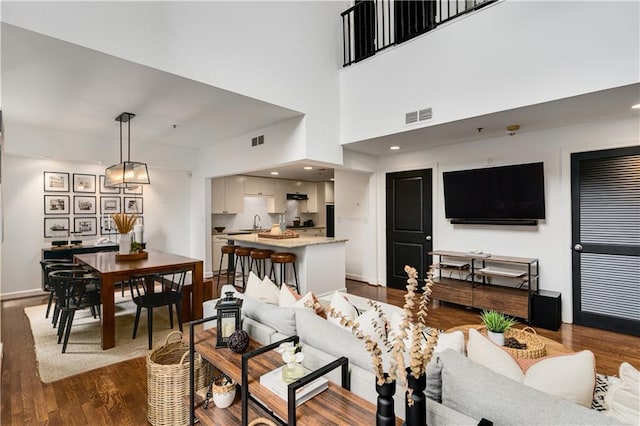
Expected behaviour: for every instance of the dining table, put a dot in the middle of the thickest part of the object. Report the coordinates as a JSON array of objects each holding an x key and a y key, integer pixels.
[{"x": 112, "y": 271}]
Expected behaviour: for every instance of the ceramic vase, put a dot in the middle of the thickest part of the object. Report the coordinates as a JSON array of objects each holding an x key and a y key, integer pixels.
[
  {"x": 385, "y": 415},
  {"x": 125, "y": 244},
  {"x": 416, "y": 414},
  {"x": 497, "y": 338}
]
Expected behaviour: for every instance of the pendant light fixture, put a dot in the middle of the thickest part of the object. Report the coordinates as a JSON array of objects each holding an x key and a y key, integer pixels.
[{"x": 126, "y": 174}]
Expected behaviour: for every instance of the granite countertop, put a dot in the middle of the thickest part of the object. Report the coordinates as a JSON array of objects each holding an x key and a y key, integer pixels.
[
  {"x": 244, "y": 231},
  {"x": 301, "y": 241}
]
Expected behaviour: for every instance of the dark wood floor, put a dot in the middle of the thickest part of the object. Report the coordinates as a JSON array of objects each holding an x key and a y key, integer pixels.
[{"x": 117, "y": 394}]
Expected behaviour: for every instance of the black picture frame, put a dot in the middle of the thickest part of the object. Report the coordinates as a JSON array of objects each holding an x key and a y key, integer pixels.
[
  {"x": 107, "y": 226},
  {"x": 133, "y": 205},
  {"x": 56, "y": 204},
  {"x": 133, "y": 191},
  {"x": 56, "y": 181},
  {"x": 104, "y": 189},
  {"x": 84, "y": 183},
  {"x": 86, "y": 226},
  {"x": 50, "y": 224},
  {"x": 84, "y": 204},
  {"x": 110, "y": 205}
]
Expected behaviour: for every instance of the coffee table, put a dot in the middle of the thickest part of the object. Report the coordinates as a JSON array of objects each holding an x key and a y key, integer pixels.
[
  {"x": 335, "y": 405},
  {"x": 552, "y": 347}
]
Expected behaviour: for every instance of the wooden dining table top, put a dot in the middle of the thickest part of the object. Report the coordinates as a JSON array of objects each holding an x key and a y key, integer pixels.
[{"x": 105, "y": 262}]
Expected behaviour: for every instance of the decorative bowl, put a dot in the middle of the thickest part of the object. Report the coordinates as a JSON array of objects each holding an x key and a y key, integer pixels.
[{"x": 219, "y": 228}]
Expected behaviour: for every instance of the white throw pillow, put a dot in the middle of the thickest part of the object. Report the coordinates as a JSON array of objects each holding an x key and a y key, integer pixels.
[
  {"x": 264, "y": 290},
  {"x": 341, "y": 305},
  {"x": 453, "y": 340},
  {"x": 571, "y": 377},
  {"x": 623, "y": 397},
  {"x": 287, "y": 296}
]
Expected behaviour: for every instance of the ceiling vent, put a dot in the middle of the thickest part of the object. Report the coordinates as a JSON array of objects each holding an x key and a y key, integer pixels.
[
  {"x": 411, "y": 117},
  {"x": 425, "y": 114},
  {"x": 258, "y": 140}
]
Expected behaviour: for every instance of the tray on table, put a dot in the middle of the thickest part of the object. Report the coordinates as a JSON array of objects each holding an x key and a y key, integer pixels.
[{"x": 285, "y": 234}]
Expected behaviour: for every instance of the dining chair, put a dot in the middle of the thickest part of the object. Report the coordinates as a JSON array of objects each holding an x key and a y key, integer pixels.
[
  {"x": 51, "y": 267},
  {"x": 172, "y": 284},
  {"x": 75, "y": 290},
  {"x": 44, "y": 263}
]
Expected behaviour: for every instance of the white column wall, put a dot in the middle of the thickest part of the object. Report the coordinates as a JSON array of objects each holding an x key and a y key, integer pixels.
[
  {"x": 504, "y": 56},
  {"x": 551, "y": 240},
  {"x": 166, "y": 215}
]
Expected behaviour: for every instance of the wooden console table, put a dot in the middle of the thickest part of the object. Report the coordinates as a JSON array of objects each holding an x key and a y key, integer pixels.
[{"x": 335, "y": 405}]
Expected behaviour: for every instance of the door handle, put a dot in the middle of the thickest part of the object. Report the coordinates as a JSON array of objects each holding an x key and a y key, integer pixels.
[
  {"x": 578, "y": 247},
  {"x": 428, "y": 238}
]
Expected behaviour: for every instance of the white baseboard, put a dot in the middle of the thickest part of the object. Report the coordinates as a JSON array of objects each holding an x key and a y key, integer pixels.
[
  {"x": 22, "y": 294},
  {"x": 360, "y": 278}
]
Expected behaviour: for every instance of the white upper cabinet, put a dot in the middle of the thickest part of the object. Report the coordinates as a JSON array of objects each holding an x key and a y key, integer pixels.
[
  {"x": 278, "y": 203},
  {"x": 328, "y": 192},
  {"x": 227, "y": 195},
  {"x": 259, "y": 186},
  {"x": 310, "y": 205}
]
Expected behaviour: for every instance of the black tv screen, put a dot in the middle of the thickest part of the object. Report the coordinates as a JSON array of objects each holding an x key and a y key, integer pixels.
[{"x": 495, "y": 193}]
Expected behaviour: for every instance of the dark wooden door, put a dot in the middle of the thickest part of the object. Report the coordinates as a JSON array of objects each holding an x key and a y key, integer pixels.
[
  {"x": 409, "y": 224},
  {"x": 605, "y": 198}
]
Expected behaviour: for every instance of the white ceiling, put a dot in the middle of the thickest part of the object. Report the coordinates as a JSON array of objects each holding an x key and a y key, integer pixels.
[{"x": 52, "y": 84}]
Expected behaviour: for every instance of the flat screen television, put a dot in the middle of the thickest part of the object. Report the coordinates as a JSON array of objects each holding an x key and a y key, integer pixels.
[{"x": 495, "y": 195}]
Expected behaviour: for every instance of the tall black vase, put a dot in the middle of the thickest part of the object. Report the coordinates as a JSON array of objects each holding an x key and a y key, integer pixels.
[
  {"x": 416, "y": 414},
  {"x": 385, "y": 415}
]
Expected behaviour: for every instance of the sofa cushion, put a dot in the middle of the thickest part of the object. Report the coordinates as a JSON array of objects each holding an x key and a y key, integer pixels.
[
  {"x": 280, "y": 318},
  {"x": 623, "y": 397},
  {"x": 570, "y": 376},
  {"x": 336, "y": 341},
  {"x": 478, "y": 392},
  {"x": 264, "y": 290},
  {"x": 341, "y": 305}
]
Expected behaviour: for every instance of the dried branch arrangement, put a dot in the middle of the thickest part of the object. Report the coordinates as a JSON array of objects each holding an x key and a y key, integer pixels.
[
  {"x": 124, "y": 222},
  {"x": 422, "y": 342}
]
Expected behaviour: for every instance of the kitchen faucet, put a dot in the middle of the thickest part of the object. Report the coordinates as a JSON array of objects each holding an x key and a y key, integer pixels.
[{"x": 256, "y": 221}]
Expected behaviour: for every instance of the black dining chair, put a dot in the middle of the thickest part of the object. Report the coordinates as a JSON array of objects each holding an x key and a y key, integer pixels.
[
  {"x": 172, "y": 284},
  {"x": 75, "y": 290},
  {"x": 51, "y": 267},
  {"x": 44, "y": 263}
]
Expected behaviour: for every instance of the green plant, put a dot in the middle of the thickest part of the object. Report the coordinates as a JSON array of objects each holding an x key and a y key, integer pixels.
[
  {"x": 136, "y": 247},
  {"x": 497, "y": 322}
]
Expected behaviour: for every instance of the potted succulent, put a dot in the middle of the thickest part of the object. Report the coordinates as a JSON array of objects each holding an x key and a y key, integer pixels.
[{"x": 497, "y": 323}]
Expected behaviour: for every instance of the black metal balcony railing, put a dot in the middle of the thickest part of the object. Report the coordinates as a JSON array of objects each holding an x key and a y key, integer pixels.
[{"x": 370, "y": 26}]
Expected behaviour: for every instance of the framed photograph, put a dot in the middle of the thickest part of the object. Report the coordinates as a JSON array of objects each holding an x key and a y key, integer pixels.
[
  {"x": 133, "y": 205},
  {"x": 56, "y": 204},
  {"x": 84, "y": 183},
  {"x": 56, "y": 227},
  {"x": 84, "y": 204},
  {"x": 109, "y": 205},
  {"x": 56, "y": 182},
  {"x": 85, "y": 225},
  {"x": 133, "y": 191},
  {"x": 107, "y": 226},
  {"x": 105, "y": 190}
]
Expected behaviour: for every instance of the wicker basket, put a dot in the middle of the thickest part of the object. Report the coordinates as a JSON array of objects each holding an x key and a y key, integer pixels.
[
  {"x": 535, "y": 345},
  {"x": 168, "y": 381}
]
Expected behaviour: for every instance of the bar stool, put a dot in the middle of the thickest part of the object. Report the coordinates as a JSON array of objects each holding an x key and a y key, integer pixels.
[
  {"x": 259, "y": 259},
  {"x": 228, "y": 250},
  {"x": 242, "y": 256},
  {"x": 283, "y": 259}
]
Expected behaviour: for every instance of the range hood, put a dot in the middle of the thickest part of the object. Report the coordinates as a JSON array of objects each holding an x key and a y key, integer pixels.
[{"x": 297, "y": 196}]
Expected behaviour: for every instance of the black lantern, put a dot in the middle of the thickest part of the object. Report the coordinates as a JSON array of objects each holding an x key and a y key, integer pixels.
[{"x": 228, "y": 309}]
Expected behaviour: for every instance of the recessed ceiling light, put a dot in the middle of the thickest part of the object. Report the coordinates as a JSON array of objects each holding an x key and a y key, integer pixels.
[
  {"x": 275, "y": 173},
  {"x": 636, "y": 106},
  {"x": 332, "y": 179},
  {"x": 394, "y": 148},
  {"x": 308, "y": 168},
  {"x": 100, "y": 162},
  {"x": 48, "y": 157}
]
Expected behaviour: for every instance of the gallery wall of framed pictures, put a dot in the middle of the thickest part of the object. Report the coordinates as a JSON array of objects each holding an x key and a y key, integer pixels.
[{"x": 79, "y": 205}]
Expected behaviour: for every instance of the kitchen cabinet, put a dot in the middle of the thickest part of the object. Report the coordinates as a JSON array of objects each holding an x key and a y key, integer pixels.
[
  {"x": 310, "y": 205},
  {"x": 216, "y": 246},
  {"x": 278, "y": 203},
  {"x": 227, "y": 195},
  {"x": 310, "y": 232},
  {"x": 328, "y": 192},
  {"x": 259, "y": 186}
]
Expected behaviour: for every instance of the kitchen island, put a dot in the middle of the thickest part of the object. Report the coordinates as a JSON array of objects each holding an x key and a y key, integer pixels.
[{"x": 320, "y": 260}]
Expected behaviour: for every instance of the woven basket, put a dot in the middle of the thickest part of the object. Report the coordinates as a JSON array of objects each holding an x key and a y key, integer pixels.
[
  {"x": 535, "y": 345},
  {"x": 168, "y": 381}
]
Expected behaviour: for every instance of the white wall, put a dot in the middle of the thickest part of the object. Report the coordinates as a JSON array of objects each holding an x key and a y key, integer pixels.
[
  {"x": 166, "y": 216},
  {"x": 507, "y": 55},
  {"x": 550, "y": 242}
]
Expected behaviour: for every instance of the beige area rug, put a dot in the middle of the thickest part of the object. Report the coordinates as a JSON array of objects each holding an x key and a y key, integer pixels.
[{"x": 84, "y": 352}]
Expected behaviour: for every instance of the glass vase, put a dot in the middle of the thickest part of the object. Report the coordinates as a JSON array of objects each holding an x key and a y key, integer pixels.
[{"x": 291, "y": 372}]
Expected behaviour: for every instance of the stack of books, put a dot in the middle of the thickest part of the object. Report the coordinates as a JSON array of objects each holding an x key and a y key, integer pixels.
[{"x": 273, "y": 381}]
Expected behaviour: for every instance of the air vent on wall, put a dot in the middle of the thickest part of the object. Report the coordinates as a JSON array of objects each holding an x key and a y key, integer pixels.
[
  {"x": 425, "y": 114},
  {"x": 258, "y": 140},
  {"x": 411, "y": 117}
]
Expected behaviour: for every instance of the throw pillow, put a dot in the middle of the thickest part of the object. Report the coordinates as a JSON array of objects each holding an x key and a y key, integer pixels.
[
  {"x": 287, "y": 296},
  {"x": 571, "y": 377},
  {"x": 623, "y": 397},
  {"x": 311, "y": 302},
  {"x": 341, "y": 305},
  {"x": 264, "y": 290}
]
